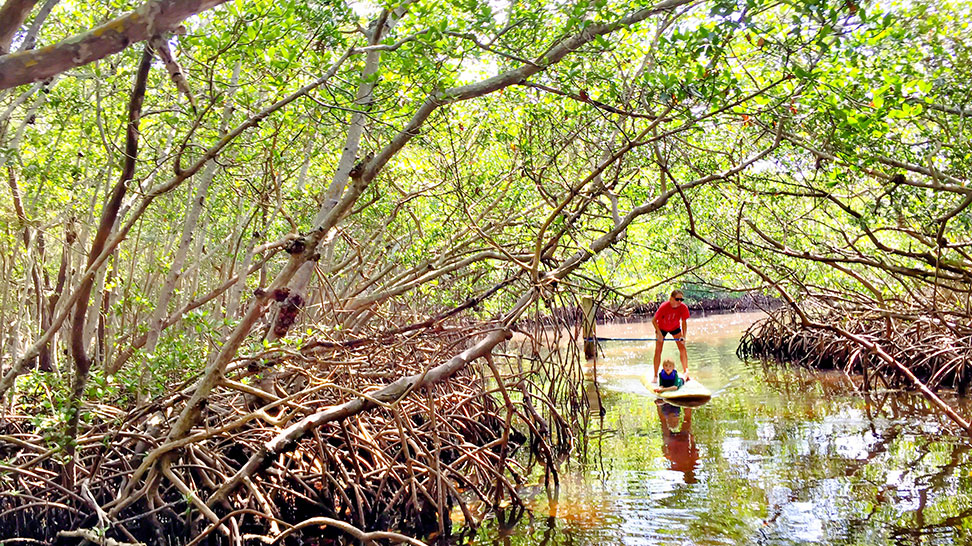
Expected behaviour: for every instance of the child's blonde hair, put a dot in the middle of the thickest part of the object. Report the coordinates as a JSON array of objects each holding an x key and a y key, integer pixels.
[{"x": 668, "y": 361}]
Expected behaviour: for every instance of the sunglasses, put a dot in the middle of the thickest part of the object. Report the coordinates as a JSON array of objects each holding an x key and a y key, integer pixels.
[{"x": 679, "y": 299}]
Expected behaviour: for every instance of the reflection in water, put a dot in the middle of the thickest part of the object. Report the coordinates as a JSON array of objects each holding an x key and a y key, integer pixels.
[
  {"x": 677, "y": 442},
  {"x": 778, "y": 456}
]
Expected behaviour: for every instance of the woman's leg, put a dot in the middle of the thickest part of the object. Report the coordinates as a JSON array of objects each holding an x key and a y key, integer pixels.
[
  {"x": 682, "y": 355},
  {"x": 659, "y": 343}
]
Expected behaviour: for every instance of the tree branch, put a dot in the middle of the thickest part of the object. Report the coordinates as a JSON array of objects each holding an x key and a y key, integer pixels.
[
  {"x": 12, "y": 15},
  {"x": 150, "y": 18}
]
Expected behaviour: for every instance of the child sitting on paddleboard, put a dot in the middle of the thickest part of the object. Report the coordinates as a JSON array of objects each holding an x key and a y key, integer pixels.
[{"x": 668, "y": 379}]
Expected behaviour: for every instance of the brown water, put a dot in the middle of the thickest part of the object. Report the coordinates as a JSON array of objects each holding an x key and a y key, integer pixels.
[{"x": 778, "y": 456}]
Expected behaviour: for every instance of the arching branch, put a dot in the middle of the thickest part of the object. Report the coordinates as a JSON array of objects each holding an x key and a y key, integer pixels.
[{"x": 148, "y": 20}]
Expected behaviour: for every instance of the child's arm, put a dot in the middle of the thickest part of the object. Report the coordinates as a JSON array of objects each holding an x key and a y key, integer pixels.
[{"x": 664, "y": 389}]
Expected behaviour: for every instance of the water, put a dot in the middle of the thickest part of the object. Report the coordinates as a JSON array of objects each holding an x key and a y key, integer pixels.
[{"x": 778, "y": 456}]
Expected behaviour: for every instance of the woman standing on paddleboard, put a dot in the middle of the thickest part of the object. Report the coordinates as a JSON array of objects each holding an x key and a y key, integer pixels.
[{"x": 670, "y": 318}]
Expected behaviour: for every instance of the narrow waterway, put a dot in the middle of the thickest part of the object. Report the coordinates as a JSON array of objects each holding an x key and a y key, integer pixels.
[{"x": 778, "y": 456}]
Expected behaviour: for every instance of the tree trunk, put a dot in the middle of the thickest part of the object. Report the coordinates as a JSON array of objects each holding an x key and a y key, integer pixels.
[
  {"x": 233, "y": 299},
  {"x": 5, "y": 265},
  {"x": 60, "y": 283},
  {"x": 189, "y": 230},
  {"x": 82, "y": 363},
  {"x": 288, "y": 309}
]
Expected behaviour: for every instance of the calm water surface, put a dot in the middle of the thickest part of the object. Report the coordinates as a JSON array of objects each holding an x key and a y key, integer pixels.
[{"x": 778, "y": 456}]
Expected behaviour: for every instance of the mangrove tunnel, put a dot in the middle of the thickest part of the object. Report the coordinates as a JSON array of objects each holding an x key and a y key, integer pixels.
[{"x": 333, "y": 271}]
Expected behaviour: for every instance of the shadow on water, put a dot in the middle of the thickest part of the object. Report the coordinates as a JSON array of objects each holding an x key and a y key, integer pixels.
[{"x": 778, "y": 456}]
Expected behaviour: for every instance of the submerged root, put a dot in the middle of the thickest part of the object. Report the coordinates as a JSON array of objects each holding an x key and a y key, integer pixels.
[{"x": 935, "y": 350}]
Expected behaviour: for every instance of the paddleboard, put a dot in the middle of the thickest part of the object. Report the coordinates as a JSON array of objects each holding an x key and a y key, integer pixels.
[{"x": 690, "y": 393}]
